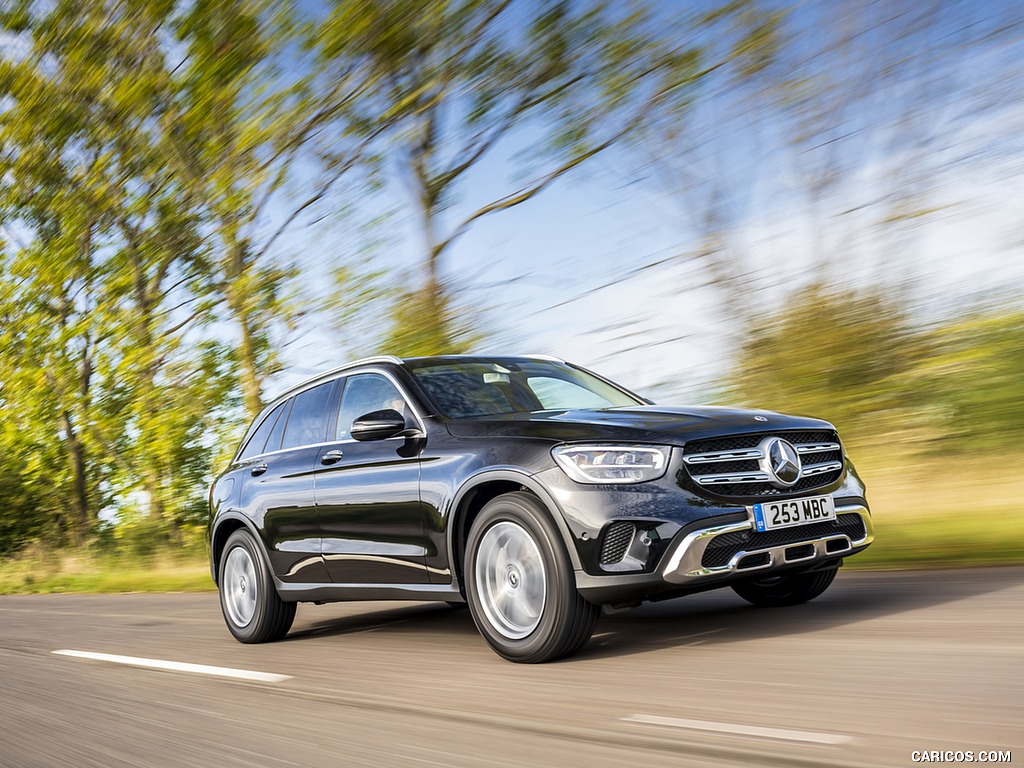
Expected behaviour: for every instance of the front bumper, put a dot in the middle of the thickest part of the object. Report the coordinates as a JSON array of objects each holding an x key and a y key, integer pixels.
[
  {"x": 685, "y": 562},
  {"x": 684, "y": 568}
]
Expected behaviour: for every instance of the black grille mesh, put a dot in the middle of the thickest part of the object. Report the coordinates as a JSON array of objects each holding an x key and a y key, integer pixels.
[
  {"x": 722, "y": 548},
  {"x": 616, "y": 540}
]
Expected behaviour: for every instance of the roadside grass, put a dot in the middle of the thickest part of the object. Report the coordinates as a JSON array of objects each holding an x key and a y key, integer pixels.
[
  {"x": 928, "y": 512},
  {"x": 942, "y": 511},
  {"x": 39, "y": 571}
]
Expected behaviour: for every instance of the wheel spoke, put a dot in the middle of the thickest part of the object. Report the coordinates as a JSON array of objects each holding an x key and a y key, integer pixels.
[
  {"x": 510, "y": 579},
  {"x": 240, "y": 587}
]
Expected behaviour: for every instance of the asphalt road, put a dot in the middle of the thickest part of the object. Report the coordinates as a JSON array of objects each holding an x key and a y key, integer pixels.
[{"x": 882, "y": 665}]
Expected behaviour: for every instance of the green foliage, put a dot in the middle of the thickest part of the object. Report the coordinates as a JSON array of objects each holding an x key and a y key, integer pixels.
[
  {"x": 839, "y": 354},
  {"x": 141, "y": 562},
  {"x": 425, "y": 322},
  {"x": 973, "y": 381},
  {"x": 104, "y": 273},
  {"x": 852, "y": 357},
  {"x": 23, "y": 514}
]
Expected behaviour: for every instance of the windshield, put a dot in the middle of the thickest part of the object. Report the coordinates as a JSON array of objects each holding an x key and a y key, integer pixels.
[{"x": 467, "y": 389}]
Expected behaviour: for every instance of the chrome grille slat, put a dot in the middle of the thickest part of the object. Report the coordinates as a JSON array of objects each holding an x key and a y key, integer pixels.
[
  {"x": 731, "y": 465},
  {"x": 817, "y": 447},
  {"x": 818, "y": 469},
  {"x": 716, "y": 456},
  {"x": 748, "y": 477}
]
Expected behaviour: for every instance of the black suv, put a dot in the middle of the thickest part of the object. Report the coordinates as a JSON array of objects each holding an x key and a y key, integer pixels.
[{"x": 527, "y": 487}]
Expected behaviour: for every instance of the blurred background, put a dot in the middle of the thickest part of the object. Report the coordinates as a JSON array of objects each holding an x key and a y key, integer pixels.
[{"x": 811, "y": 207}]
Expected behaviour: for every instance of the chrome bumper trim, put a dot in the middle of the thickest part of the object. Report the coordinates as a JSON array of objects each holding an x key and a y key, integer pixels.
[{"x": 683, "y": 565}]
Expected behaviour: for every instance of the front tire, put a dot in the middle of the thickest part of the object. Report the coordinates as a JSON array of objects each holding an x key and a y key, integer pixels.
[
  {"x": 252, "y": 609},
  {"x": 787, "y": 589},
  {"x": 520, "y": 585}
]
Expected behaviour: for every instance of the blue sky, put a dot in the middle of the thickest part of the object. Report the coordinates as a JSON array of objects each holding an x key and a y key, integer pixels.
[{"x": 659, "y": 331}]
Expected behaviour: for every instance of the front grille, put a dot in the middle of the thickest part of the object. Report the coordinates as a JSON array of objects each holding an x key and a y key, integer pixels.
[
  {"x": 714, "y": 467},
  {"x": 616, "y": 541},
  {"x": 722, "y": 548}
]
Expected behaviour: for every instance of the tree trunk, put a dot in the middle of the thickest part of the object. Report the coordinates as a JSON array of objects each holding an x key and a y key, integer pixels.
[
  {"x": 235, "y": 293},
  {"x": 81, "y": 519}
]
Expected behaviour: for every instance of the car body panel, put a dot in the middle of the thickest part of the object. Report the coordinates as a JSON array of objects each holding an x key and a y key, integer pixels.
[
  {"x": 370, "y": 515},
  {"x": 643, "y": 424},
  {"x": 281, "y": 503}
]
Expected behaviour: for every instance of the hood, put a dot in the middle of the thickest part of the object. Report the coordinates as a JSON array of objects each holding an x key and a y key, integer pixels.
[{"x": 642, "y": 423}]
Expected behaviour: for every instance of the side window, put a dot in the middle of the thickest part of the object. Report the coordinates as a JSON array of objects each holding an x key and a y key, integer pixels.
[
  {"x": 366, "y": 392},
  {"x": 258, "y": 441},
  {"x": 274, "y": 442},
  {"x": 307, "y": 423},
  {"x": 559, "y": 393}
]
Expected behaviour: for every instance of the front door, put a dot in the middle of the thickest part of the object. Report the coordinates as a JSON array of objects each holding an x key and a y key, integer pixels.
[{"x": 368, "y": 495}]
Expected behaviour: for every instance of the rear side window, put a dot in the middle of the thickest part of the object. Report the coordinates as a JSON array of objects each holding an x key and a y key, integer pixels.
[
  {"x": 274, "y": 443},
  {"x": 258, "y": 441},
  {"x": 307, "y": 423}
]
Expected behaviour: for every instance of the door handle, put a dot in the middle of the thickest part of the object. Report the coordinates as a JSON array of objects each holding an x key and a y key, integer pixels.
[
  {"x": 331, "y": 457},
  {"x": 258, "y": 470}
]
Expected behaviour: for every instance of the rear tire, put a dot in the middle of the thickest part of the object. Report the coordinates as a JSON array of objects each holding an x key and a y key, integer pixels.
[
  {"x": 252, "y": 609},
  {"x": 520, "y": 584},
  {"x": 786, "y": 589}
]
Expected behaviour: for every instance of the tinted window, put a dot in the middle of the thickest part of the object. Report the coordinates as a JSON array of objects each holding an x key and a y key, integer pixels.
[
  {"x": 274, "y": 443},
  {"x": 468, "y": 389},
  {"x": 307, "y": 423},
  {"x": 364, "y": 393},
  {"x": 258, "y": 441}
]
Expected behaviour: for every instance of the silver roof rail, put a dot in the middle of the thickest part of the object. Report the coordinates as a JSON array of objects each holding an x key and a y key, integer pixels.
[
  {"x": 340, "y": 368},
  {"x": 552, "y": 358}
]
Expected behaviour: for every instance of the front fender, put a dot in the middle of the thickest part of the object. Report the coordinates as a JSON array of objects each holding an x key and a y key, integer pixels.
[{"x": 531, "y": 483}]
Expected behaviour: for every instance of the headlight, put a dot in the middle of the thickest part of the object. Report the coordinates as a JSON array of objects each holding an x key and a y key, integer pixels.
[{"x": 611, "y": 463}]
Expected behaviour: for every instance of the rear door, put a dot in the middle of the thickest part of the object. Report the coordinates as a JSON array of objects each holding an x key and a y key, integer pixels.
[
  {"x": 279, "y": 492},
  {"x": 367, "y": 493}
]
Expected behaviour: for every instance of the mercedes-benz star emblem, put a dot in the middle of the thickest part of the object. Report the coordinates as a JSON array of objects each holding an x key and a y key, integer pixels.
[{"x": 780, "y": 461}]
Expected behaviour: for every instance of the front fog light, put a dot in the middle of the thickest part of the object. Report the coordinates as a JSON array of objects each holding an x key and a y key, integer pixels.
[{"x": 611, "y": 463}]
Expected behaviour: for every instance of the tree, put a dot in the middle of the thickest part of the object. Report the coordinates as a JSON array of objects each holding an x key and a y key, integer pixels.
[
  {"x": 53, "y": 190},
  {"x": 255, "y": 112},
  {"x": 836, "y": 353},
  {"x": 108, "y": 264},
  {"x": 971, "y": 380},
  {"x": 459, "y": 78}
]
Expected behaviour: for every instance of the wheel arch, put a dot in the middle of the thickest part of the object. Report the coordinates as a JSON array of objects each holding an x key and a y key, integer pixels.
[
  {"x": 480, "y": 489},
  {"x": 223, "y": 528}
]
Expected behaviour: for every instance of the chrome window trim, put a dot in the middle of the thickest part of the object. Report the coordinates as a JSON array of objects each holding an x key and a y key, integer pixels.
[
  {"x": 317, "y": 382},
  {"x": 342, "y": 369},
  {"x": 254, "y": 428}
]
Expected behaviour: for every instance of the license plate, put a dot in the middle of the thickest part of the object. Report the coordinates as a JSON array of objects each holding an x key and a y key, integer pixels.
[{"x": 785, "y": 514}]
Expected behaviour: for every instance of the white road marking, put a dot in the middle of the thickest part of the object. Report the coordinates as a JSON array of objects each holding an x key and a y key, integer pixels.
[
  {"x": 740, "y": 730},
  {"x": 178, "y": 666}
]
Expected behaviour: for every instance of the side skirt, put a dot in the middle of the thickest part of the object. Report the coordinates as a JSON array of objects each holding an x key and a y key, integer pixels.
[{"x": 331, "y": 593}]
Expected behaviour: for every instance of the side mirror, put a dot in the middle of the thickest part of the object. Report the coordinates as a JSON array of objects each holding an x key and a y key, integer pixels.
[{"x": 378, "y": 425}]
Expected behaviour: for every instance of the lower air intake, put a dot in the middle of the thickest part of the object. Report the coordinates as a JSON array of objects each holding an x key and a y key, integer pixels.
[{"x": 617, "y": 539}]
